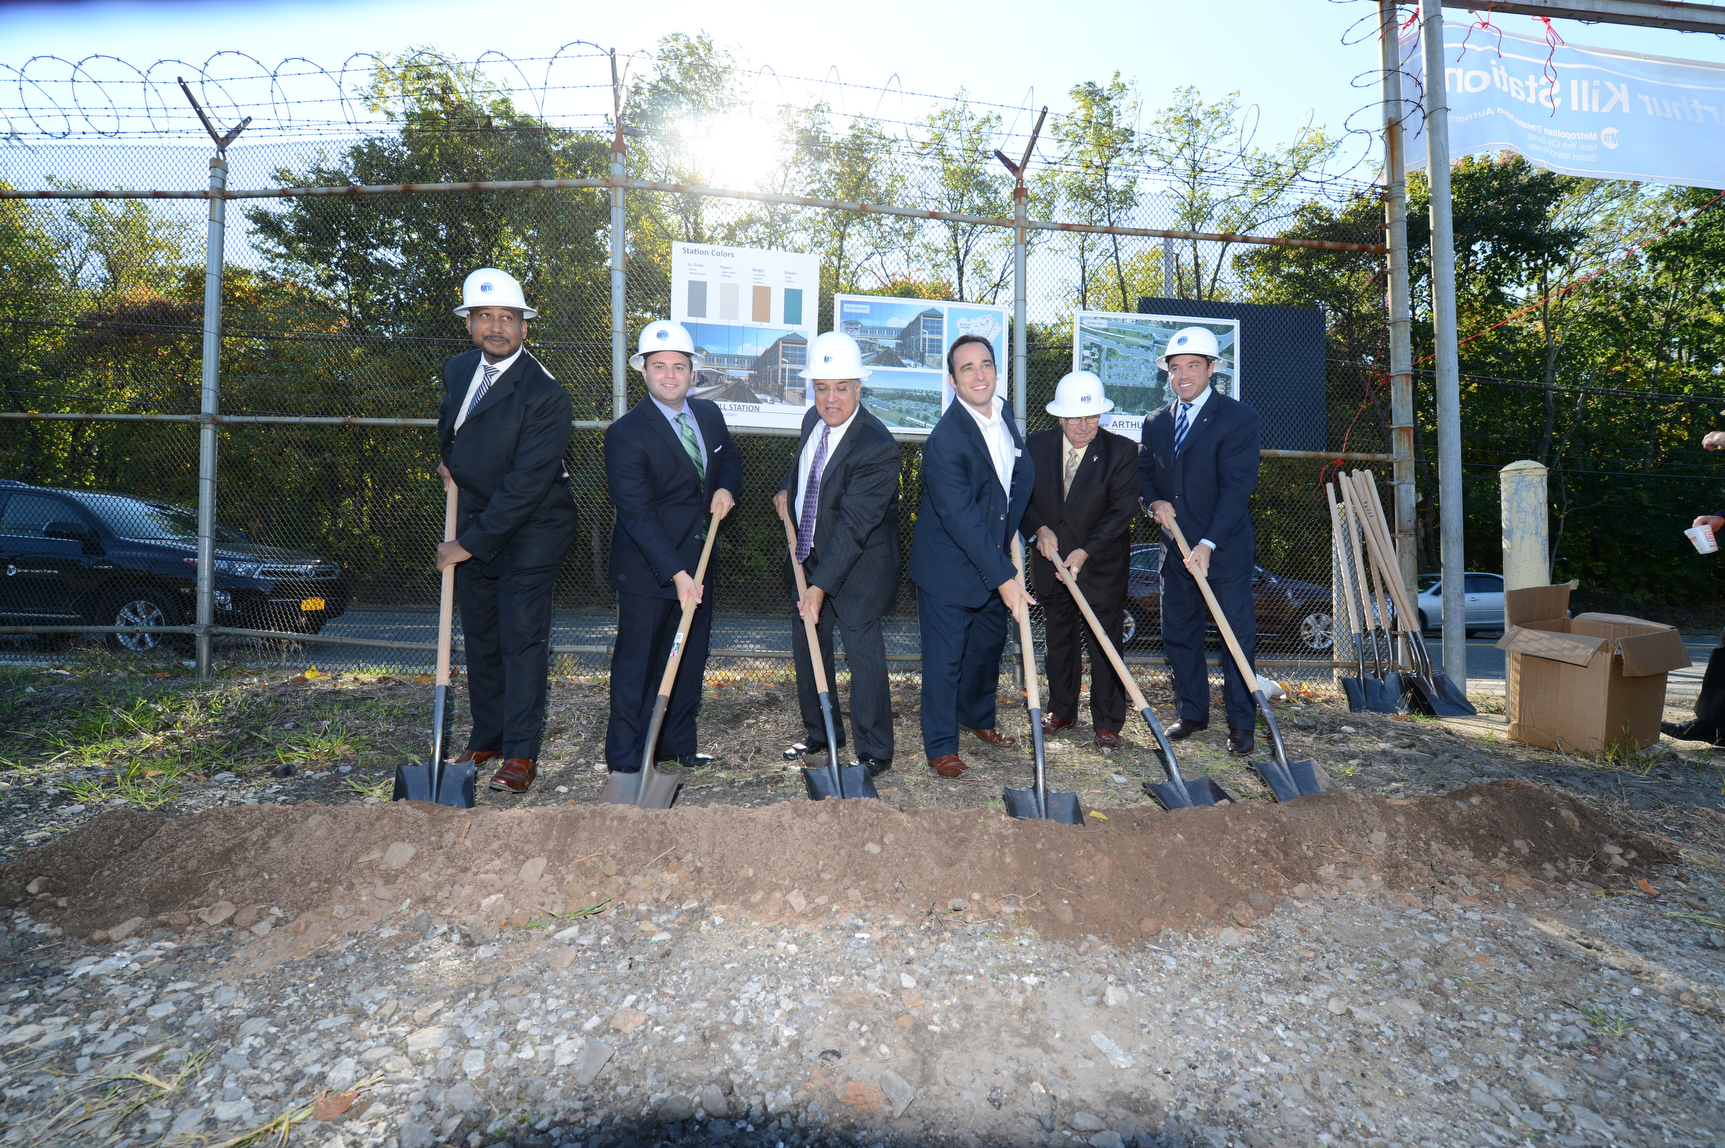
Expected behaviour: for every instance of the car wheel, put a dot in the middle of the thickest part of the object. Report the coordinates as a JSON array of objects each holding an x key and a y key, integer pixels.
[
  {"x": 1129, "y": 626},
  {"x": 143, "y": 607},
  {"x": 1317, "y": 631}
]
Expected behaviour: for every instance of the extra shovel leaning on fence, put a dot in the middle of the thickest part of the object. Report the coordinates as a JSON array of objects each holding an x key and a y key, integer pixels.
[
  {"x": 1384, "y": 691},
  {"x": 436, "y": 780},
  {"x": 1354, "y": 689},
  {"x": 652, "y": 788},
  {"x": 1176, "y": 792},
  {"x": 1026, "y": 804},
  {"x": 1286, "y": 779},
  {"x": 834, "y": 780}
]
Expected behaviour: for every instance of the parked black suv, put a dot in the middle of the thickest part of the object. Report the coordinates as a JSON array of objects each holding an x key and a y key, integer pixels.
[{"x": 75, "y": 557}]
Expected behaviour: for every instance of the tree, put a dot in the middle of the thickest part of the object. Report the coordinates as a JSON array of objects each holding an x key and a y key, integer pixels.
[
  {"x": 964, "y": 179},
  {"x": 1096, "y": 182}
]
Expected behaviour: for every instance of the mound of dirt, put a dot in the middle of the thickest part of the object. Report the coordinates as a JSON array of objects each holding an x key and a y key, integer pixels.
[{"x": 298, "y": 875}]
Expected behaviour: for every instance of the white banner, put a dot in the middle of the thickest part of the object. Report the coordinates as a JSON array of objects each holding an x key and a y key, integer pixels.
[{"x": 1580, "y": 111}]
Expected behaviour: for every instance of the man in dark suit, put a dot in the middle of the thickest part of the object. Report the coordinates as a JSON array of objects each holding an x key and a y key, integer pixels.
[
  {"x": 669, "y": 464},
  {"x": 1199, "y": 462},
  {"x": 1085, "y": 498},
  {"x": 502, "y": 433},
  {"x": 841, "y": 492},
  {"x": 976, "y": 482}
]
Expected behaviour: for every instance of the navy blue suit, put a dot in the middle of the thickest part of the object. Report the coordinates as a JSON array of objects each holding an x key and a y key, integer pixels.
[
  {"x": 516, "y": 516},
  {"x": 661, "y": 508},
  {"x": 1210, "y": 486},
  {"x": 960, "y": 554}
]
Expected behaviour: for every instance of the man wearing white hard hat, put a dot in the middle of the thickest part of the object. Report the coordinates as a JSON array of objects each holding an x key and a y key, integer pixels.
[
  {"x": 1081, "y": 510},
  {"x": 1198, "y": 465},
  {"x": 841, "y": 492},
  {"x": 669, "y": 465},
  {"x": 502, "y": 433}
]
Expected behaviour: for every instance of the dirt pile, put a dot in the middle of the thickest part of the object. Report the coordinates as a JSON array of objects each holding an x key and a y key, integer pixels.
[{"x": 297, "y": 875}]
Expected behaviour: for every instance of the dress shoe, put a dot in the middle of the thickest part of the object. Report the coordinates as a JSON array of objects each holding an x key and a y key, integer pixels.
[
  {"x": 804, "y": 748},
  {"x": 1239, "y": 742},
  {"x": 996, "y": 738},
  {"x": 475, "y": 756},
  {"x": 948, "y": 765},
  {"x": 1107, "y": 738},
  {"x": 1695, "y": 730},
  {"x": 1052, "y": 724},
  {"x": 1186, "y": 727},
  {"x": 685, "y": 760},
  {"x": 516, "y": 775},
  {"x": 875, "y": 765}
]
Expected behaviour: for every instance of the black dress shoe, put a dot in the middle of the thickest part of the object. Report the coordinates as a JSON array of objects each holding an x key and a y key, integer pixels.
[
  {"x": 804, "y": 748},
  {"x": 686, "y": 760},
  {"x": 1186, "y": 727},
  {"x": 1694, "y": 730},
  {"x": 876, "y": 767},
  {"x": 1239, "y": 742}
]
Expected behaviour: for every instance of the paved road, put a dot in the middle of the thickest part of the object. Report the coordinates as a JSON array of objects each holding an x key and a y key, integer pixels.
[{"x": 1485, "y": 662}]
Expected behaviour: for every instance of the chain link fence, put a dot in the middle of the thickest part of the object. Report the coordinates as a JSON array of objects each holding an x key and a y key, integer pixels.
[{"x": 336, "y": 317}]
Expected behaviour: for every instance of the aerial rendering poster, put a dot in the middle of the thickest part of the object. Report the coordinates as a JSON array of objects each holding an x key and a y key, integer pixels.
[
  {"x": 752, "y": 313},
  {"x": 1122, "y": 350},
  {"x": 904, "y": 344}
]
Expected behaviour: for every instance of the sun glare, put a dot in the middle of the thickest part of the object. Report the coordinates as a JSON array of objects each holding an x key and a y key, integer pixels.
[{"x": 739, "y": 150}]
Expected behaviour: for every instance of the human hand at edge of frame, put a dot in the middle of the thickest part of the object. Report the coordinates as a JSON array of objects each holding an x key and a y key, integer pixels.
[
  {"x": 1711, "y": 521},
  {"x": 723, "y": 501},
  {"x": 1715, "y": 440},
  {"x": 1075, "y": 561},
  {"x": 1199, "y": 562},
  {"x": 448, "y": 481},
  {"x": 687, "y": 589},
  {"x": 1163, "y": 512},
  {"x": 810, "y": 606},
  {"x": 450, "y": 553},
  {"x": 1047, "y": 544},
  {"x": 1015, "y": 596}
]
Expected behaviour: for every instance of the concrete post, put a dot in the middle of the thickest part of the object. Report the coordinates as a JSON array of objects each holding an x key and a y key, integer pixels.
[
  {"x": 1020, "y": 302},
  {"x": 619, "y": 345},
  {"x": 1526, "y": 526},
  {"x": 205, "y": 597}
]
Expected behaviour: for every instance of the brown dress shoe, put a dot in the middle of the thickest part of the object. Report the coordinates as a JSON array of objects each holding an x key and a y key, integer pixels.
[
  {"x": 1052, "y": 724},
  {"x": 948, "y": 765},
  {"x": 475, "y": 755},
  {"x": 516, "y": 775},
  {"x": 1107, "y": 738},
  {"x": 994, "y": 737}
]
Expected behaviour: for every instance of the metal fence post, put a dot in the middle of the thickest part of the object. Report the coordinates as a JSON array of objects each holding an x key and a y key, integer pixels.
[
  {"x": 213, "y": 243},
  {"x": 619, "y": 381},
  {"x": 1444, "y": 344},
  {"x": 1400, "y": 308},
  {"x": 1020, "y": 337}
]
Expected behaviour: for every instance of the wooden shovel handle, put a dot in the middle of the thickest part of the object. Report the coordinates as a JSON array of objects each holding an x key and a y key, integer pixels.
[
  {"x": 1386, "y": 547},
  {"x": 808, "y": 621},
  {"x": 1032, "y": 687},
  {"x": 1249, "y": 675},
  {"x": 1371, "y": 517},
  {"x": 1137, "y": 696},
  {"x": 1353, "y": 511},
  {"x": 689, "y": 608},
  {"x": 446, "y": 599},
  {"x": 1353, "y": 608}
]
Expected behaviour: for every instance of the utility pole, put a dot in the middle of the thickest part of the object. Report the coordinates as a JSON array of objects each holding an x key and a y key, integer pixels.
[
  {"x": 1400, "y": 308},
  {"x": 210, "y": 407}
]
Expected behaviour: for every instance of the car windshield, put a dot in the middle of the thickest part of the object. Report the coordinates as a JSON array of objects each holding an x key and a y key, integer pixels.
[
  {"x": 1428, "y": 582},
  {"x": 137, "y": 518}
]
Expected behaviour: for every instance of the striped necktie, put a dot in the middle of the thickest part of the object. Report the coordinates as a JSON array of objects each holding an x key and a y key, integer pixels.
[
  {"x": 1181, "y": 427},
  {"x": 811, "y": 498},
  {"x": 484, "y": 385},
  {"x": 687, "y": 434}
]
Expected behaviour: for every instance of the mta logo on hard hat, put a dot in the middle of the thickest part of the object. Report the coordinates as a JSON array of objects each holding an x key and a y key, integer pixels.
[
  {"x": 826, "y": 358},
  {"x": 1181, "y": 341},
  {"x": 488, "y": 285},
  {"x": 1083, "y": 398},
  {"x": 661, "y": 334}
]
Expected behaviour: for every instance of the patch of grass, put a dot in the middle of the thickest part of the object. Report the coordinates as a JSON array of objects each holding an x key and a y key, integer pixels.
[
  {"x": 1604, "y": 1023},
  {"x": 550, "y": 919},
  {"x": 377, "y": 789},
  {"x": 1712, "y": 922}
]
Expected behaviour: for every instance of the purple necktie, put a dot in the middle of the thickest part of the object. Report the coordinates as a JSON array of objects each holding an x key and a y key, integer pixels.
[{"x": 811, "y": 495}]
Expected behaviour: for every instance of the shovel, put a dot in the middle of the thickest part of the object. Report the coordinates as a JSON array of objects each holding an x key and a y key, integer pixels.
[
  {"x": 434, "y": 780},
  {"x": 1439, "y": 692},
  {"x": 1353, "y": 688},
  {"x": 1385, "y": 691},
  {"x": 1176, "y": 792},
  {"x": 652, "y": 788},
  {"x": 1026, "y": 804},
  {"x": 834, "y": 780},
  {"x": 1286, "y": 779}
]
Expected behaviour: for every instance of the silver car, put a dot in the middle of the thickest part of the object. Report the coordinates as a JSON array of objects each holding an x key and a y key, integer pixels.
[{"x": 1483, "y": 594}]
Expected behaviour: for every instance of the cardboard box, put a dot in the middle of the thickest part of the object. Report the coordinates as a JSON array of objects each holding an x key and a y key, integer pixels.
[{"x": 1585, "y": 683}]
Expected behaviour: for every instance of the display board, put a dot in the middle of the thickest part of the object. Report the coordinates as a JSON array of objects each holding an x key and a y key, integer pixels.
[
  {"x": 751, "y": 312},
  {"x": 904, "y": 344},
  {"x": 1121, "y": 349}
]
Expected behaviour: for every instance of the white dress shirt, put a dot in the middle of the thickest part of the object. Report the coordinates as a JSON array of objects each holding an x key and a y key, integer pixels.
[
  {"x": 478, "y": 375},
  {"x": 997, "y": 438},
  {"x": 806, "y": 459},
  {"x": 671, "y": 417},
  {"x": 1192, "y": 410}
]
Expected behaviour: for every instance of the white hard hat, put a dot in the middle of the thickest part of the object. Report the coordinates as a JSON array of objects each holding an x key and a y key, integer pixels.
[
  {"x": 665, "y": 335},
  {"x": 834, "y": 355},
  {"x": 489, "y": 287},
  {"x": 1079, "y": 395},
  {"x": 1191, "y": 341}
]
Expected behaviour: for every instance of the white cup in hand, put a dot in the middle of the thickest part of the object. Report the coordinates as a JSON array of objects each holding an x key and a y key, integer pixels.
[{"x": 1702, "y": 537}]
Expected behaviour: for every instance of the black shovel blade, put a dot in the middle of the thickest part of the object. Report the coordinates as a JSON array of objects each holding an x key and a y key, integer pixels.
[
  {"x": 1202, "y": 791},
  {"x": 456, "y": 789},
  {"x": 1450, "y": 701},
  {"x": 1062, "y": 807},
  {"x": 1355, "y": 690},
  {"x": 854, "y": 781},
  {"x": 416, "y": 782},
  {"x": 1396, "y": 685},
  {"x": 413, "y": 782},
  {"x": 1283, "y": 788}
]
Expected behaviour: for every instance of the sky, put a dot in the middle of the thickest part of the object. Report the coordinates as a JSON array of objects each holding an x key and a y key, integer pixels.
[{"x": 1296, "y": 63}]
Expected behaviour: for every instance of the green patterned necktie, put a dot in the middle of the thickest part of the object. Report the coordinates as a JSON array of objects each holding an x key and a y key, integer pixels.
[{"x": 687, "y": 433}]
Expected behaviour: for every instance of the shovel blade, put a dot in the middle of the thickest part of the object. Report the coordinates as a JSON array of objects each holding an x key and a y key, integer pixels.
[
  {"x": 413, "y": 782},
  {"x": 1356, "y": 695},
  {"x": 626, "y": 789},
  {"x": 1279, "y": 785},
  {"x": 416, "y": 783},
  {"x": 457, "y": 787},
  {"x": 1380, "y": 699},
  {"x": 1200, "y": 791},
  {"x": 1062, "y": 807},
  {"x": 854, "y": 781},
  {"x": 1450, "y": 701},
  {"x": 1309, "y": 776}
]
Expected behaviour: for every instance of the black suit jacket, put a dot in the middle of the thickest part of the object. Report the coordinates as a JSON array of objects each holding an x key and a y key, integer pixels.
[
  {"x": 1210, "y": 484},
  {"x": 660, "y": 500},
  {"x": 961, "y": 551},
  {"x": 855, "y": 556},
  {"x": 1095, "y": 515},
  {"x": 516, "y": 510}
]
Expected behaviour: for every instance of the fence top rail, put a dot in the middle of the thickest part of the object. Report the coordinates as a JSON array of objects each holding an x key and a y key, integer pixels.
[{"x": 691, "y": 189}]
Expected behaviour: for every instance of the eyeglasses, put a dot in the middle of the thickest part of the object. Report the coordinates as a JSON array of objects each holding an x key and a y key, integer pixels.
[{"x": 1092, "y": 420}]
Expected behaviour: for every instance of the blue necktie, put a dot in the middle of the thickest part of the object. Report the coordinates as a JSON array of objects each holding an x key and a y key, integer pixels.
[
  {"x": 1180, "y": 427},
  {"x": 484, "y": 385}
]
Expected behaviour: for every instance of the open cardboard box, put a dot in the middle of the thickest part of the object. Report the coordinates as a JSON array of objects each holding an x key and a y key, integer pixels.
[{"x": 1585, "y": 683}]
